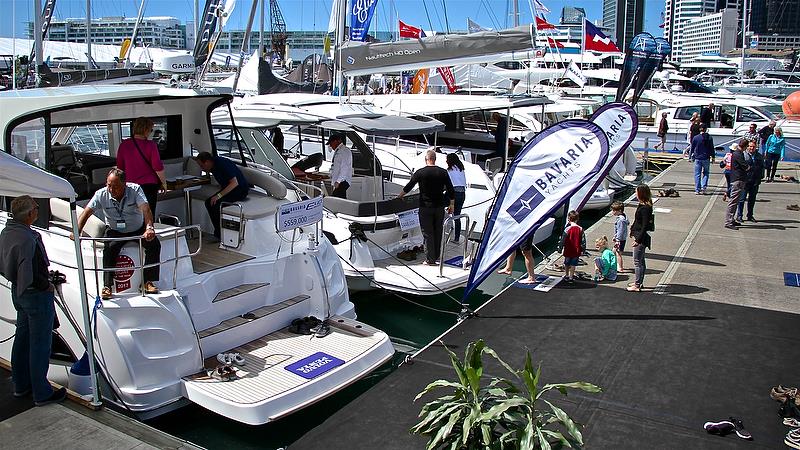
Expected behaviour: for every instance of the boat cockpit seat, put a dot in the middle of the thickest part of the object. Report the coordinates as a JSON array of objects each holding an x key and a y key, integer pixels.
[
  {"x": 60, "y": 217},
  {"x": 258, "y": 204}
]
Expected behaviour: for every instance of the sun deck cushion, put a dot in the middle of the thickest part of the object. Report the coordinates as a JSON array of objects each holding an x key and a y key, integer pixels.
[
  {"x": 60, "y": 217},
  {"x": 274, "y": 187},
  {"x": 367, "y": 209},
  {"x": 257, "y": 204}
]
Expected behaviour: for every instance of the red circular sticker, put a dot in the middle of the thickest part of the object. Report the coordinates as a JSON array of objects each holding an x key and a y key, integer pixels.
[{"x": 122, "y": 277}]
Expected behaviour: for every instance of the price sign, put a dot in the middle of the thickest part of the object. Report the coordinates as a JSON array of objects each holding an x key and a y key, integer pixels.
[
  {"x": 409, "y": 219},
  {"x": 299, "y": 214}
]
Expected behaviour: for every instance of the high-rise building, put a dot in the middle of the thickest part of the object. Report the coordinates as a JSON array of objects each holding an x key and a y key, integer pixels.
[
  {"x": 163, "y": 32},
  {"x": 774, "y": 16},
  {"x": 571, "y": 15},
  {"x": 625, "y": 19},
  {"x": 710, "y": 34},
  {"x": 677, "y": 13}
]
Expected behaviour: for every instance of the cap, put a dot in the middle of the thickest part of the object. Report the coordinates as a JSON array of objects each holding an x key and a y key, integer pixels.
[{"x": 335, "y": 137}]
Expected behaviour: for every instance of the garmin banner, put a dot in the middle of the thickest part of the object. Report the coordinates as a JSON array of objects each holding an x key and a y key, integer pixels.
[
  {"x": 361, "y": 12},
  {"x": 619, "y": 122},
  {"x": 549, "y": 169},
  {"x": 641, "y": 62}
]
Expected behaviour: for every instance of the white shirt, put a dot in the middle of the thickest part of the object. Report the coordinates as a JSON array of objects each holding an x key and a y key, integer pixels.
[
  {"x": 457, "y": 177},
  {"x": 342, "y": 165}
]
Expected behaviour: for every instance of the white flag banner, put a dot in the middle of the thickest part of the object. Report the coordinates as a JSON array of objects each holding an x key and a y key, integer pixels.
[
  {"x": 575, "y": 74},
  {"x": 619, "y": 122},
  {"x": 227, "y": 10},
  {"x": 545, "y": 173}
]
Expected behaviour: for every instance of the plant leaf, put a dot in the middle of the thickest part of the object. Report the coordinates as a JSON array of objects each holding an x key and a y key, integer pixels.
[
  {"x": 430, "y": 420},
  {"x": 486, "y": 432},
  {"x": 444, "y": 432},
  {"x": 494, "y": 355},
  {"x": 500, "y": 408},
  {"x": 582, "y": 385},
  {"x": 526, "y": 436},
  {"x": 543, "y": 442},
  {"x": 469, "y": 422},
  {"x": 473, "y": 365},
  {"x": 571, "y": 427},
  {"x": 558, "y": 436},
  {"x": 457, "y": 366},
  {"x": 438, "y": 384}
]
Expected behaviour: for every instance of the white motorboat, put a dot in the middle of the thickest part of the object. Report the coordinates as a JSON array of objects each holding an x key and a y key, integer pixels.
[
  {"x": 371, "y": 229},
  {"x": 239, "y": 295}
]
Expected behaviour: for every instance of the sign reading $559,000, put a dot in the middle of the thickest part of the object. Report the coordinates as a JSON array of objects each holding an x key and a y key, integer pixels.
[{"x": 299, "y": 214}]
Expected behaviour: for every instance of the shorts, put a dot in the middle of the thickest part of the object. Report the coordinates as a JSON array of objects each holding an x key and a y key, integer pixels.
[
  {"x": 619, "y": 246},
  {"x": 571, "y": 261},
  {"x": 527, "y": 244}
]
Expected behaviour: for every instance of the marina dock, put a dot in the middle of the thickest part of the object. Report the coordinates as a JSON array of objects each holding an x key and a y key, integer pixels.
[{"x": 714, "y": 331}]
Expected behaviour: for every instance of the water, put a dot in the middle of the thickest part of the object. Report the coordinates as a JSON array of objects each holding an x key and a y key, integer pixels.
[{"x": 410, "y": 327}]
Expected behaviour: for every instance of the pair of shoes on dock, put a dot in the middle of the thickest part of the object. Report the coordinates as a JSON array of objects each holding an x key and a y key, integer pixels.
[{"x": 725, "y": 427}]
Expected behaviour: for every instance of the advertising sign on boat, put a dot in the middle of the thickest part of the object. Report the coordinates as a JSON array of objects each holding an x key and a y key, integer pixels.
[{"x": 299, "y": 214}]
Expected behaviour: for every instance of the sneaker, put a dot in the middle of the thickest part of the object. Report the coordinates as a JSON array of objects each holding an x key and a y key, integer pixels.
[
  {"x": 21, "y": 394},
  {"x": 731, "y": 227},
  {"x": 105, "y": 294},
  {"x": 740, "y": 431},
  {"x": 751, "y": 219},
  {"x": 739, "y": 220},
  {"x": 793, "y": 438},
  {"x": 57, "y": 396},
  {"x": 697, "y": 193},
  {"x": 721, "y": 428},
  {"x": 791, "y": 422},
  {"x": 150, "y": 288},
  {"x": 737, "y": 223}
]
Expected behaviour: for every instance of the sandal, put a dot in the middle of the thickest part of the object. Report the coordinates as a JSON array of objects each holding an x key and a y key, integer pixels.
[
  {"x": 634, "y": 288},
  {"x": 791, "y": 422},
  {"x": 222, "y": 373},
  {"x": 780, "y": 393},
  {"x": 231, "y": 358},
  {"x": 105, "y": 294}
]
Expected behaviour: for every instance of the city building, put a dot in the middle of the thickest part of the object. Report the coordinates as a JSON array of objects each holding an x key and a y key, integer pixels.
[
  {"x": 712, "y": 34},
  {"x": 572, "y": 15},
  {"x": 780, "y": 17},
  {"x": 624, "y": 19},
  {"x": 677, "y": 13},
  {"x": 163, "y": 32}
]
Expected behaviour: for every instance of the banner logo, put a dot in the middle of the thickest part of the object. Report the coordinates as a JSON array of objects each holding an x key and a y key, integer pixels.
[
  {"x": 361, "y": 9},
  {"x": 525, "y": 204}
]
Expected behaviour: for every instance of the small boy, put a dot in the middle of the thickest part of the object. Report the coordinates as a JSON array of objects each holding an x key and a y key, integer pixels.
[
  {"x": 573, "y": 244},
  {"x": 620, "y": 233}
]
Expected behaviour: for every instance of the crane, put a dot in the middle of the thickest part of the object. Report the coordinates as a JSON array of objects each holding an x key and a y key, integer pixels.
[{"x": 277, "y": 28}]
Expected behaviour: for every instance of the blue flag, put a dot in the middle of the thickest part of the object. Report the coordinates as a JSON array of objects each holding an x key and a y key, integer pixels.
[
  {"x": 642, "y": 58},
  {"x": 361, "y": 12},
  {"x": 549, "y": 169}
]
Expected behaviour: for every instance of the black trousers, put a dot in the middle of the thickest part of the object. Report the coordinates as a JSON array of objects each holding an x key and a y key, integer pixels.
[
  {"x": 341, "y": 190},
  {"x": 214, "y": 211},
  {"x": 431, "y": 221},
  {"x": 771, "y": 164},
  {"x": 152, "y": 255},
  {"x": 151, "y": 194}
]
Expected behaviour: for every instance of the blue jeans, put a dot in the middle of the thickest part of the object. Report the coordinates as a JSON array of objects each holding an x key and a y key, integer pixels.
[
  {"x": 639, "y": 265},
  {"x": 30, "y": 354},
  {"x": 701, "y": 168},
  {"x": 459, "y": 203}
]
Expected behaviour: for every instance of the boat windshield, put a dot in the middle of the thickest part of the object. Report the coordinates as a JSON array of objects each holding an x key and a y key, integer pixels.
[{"x": 772, "y": 112}]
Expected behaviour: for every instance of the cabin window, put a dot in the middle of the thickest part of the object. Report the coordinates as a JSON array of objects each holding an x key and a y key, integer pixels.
[
  {"x": 89, "y": 139},
  {"x": 687, "y": 112},
  {"x": 726, "y": 115},
  {"x": 28, "y": 142},
  {"x": 166, "y": 134},
  {"x": 228, "y": 147},
  {"x": 748, "y": 115}
]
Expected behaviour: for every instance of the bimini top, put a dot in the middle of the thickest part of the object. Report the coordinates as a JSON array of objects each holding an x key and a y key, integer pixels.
[
  {"x": 313, "y": 108},
  {"x": 20, "y": 178},
  {"x": 430, "y": 104}
]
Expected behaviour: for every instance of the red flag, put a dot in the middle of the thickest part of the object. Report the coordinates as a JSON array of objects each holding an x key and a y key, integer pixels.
[
  {"x": 448, "y": 77},
  {"x": 410, "y": 32},
  {"x": 596, "y": 40},
  {"x": 542, "y": 24},
  {"x": 554, "y": 43}
]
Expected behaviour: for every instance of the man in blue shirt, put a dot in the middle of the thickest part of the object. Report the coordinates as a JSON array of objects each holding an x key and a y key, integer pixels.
[
  {"x": 231, "y": 180},
  {"x": 702, "y": 151},
  {"x": 126, "y": 213}
]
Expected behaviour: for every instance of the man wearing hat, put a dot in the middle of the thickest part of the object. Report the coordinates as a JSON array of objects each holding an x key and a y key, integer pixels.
[{"x": 341, "y": 167}]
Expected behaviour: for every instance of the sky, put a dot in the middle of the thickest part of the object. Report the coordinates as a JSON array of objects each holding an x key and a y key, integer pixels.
[{"x": 314, "y": 14}]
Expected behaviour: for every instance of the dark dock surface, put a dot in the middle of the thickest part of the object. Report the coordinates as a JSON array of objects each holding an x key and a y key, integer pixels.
[{"x": 717, "y": 328}]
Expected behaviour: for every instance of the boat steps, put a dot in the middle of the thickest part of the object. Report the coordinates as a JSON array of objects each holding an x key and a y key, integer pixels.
[
  {"x": 238, "y": 290},
  {"x": 267, "y": 386},
  {"x": 253, "y": 323}
]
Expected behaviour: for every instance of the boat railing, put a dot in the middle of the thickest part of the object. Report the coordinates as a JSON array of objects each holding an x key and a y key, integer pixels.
[
  {"x": 140, "y": 267},
  {"x": 449, "y": 224}
]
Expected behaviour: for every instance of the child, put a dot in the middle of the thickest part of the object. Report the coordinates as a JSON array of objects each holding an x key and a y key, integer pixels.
[
  {"x": 573, "y": 244},
  {"x": 605, "y": 265},
  {"x": 620, "y": 233}
]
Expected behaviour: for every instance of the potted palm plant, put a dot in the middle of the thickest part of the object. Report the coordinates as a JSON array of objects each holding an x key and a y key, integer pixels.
[{"x": 501, "y": 414}]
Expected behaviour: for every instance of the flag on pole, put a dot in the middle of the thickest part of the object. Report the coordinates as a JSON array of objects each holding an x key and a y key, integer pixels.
[
  {"x": 545, "y": 173},
  {"x": 552, "y": 43},
  {"x": 419, "y": 85},
  {"x": 663, "y": 21},
  {"x": 540, "y": 9},
  {"x": 361, "y": 13},
  {"x": 409, "y": 31},
  {"x": 448, "y": 77},
  {"x": 474, "y": 27},
  {"x": 575, "y": 74},
  {"x": 594, "y": 39},
  {"x": 542, "y": 24}
]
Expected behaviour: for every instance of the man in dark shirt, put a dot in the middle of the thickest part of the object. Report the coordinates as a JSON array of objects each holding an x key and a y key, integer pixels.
[
  {"x": 434, "y": 182},
  {"x": 23, "y": 261},
  {"x": 707, "y": 115},
  {"x": 500, "y": 135},
  {"x": 765, "y": 133},
  {"x": 755, "y": 174},
  {"x": 232, "y": 183},
  {"x": 702, "y": 152},
  {"x": 739, "y": 169}
]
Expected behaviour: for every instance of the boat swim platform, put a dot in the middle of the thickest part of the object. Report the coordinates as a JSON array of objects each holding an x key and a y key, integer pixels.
[
  {"x": 69, "y": 425},
  {"x": 714, "y": 331}
]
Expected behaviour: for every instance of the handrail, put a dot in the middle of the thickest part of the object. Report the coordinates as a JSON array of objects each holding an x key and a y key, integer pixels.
[
  {"x": 451, "y": 220},
  {"x": 138, "y": 240}
]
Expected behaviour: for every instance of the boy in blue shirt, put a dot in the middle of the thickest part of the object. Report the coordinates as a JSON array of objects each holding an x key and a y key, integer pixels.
[{"x": 620, "y": 233}]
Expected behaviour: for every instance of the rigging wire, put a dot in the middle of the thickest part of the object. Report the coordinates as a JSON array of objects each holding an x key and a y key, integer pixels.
[
  {"x": 446, "y": 22},
  {"x": 427, "y": 14}
]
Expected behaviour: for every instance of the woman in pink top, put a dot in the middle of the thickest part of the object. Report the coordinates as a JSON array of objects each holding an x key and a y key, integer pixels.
[{"x": 138, "y": 157}]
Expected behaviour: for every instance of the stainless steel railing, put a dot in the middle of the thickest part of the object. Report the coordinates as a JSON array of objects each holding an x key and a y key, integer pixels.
[{"x": 451, "y": 220}]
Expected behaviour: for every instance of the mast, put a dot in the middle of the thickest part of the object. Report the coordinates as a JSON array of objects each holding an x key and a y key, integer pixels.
[
  {"x": 133, "y": 35},
  {"x": 516, "y": 13},
  {"x": 37, "y": 20},
  {"x": 261, "y": 32},
  {"x": 341, "y": 11},
  {"x": 744, "y": 34},
  {"x": 245, "y": 43},
  {"x": 88, "y": 34}
]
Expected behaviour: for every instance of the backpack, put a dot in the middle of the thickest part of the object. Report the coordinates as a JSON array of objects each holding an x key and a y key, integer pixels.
[{"x": 652, "y": 225}]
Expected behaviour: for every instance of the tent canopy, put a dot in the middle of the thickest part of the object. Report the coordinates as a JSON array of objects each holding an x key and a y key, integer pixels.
[{"x": 20, "y": 178}]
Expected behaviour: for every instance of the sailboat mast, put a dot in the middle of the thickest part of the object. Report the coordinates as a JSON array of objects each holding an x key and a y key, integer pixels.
[
  {"x": 744, "y": 34},
  {"x": 261, "y": 32},
  {"x": 516, "y": 13},
  {"x": 37, "y": 20},
  {"x": 88, "y": 34},
  {"x": 245, "y": 43},
  {"x": 341, "y": 10},
  {"x": 133, "y": 34}
]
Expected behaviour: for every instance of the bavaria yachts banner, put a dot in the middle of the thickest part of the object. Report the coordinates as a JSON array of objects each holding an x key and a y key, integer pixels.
[
  {"x": 361, "y": 12},
  {"x": 545, "y": 173},
  {"x": 619, "y": 122}
]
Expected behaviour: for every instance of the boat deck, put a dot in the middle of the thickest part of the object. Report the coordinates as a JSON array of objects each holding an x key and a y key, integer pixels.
[{"x": 714, "y": 331}]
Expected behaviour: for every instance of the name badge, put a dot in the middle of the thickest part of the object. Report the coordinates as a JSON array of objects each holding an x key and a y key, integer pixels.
[{"x": 120, "y": 225}]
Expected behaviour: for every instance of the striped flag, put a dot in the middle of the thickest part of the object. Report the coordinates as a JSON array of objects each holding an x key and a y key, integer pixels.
[
  {"x": 542, "y": 24},
  {"x": 540, "y": 9}
]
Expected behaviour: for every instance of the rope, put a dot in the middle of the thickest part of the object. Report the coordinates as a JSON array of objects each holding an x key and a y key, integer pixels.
[
  {"x": 380, "y": 286},
  {"x": 8, "y": 338}
]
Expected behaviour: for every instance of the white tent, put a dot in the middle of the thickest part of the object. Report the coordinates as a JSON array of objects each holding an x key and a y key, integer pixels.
[
  {"x": 20, "y": 178},
  {"x": 472, "y": 75}
]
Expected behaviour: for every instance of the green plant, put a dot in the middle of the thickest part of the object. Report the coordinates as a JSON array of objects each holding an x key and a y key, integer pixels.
[{"x": 499, "y": 415}]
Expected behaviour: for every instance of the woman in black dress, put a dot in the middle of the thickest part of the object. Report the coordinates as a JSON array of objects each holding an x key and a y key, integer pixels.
[{"x": 642, "y": 224}]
